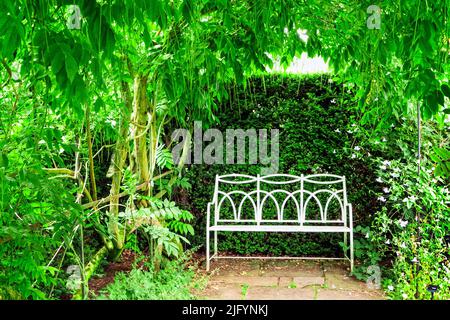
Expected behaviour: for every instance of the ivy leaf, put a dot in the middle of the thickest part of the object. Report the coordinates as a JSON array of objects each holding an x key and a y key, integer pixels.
[{"x": 445, "y": 90}]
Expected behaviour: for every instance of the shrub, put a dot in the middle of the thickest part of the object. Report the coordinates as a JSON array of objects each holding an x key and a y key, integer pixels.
[{"x": 317, "y": 123}]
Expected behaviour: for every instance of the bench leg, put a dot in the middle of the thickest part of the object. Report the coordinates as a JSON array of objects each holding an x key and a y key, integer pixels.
[
  {"x": 215, "y": 243},
  {"x": 351, "y": 251},
  {"x": 207, "y": 249},
  {"x": 345, "y": 245}
]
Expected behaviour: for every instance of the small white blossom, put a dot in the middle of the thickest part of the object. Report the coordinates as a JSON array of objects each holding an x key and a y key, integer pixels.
[
  {"x": 384, "y": 139},
  {"x": 388, "y": 242},
  {"x": 414, "y": 260},
  {"x": 403, "y": 223},
  {"x": 391, "y": 288},
  {"x": 357, "y": 148},
  {"x": 386, "y": 190},
  {"x": 386, "y": 162},
  {"x": 382, "y": 199},
  {"x": 337, "y": 130},
  {"x": 333, "y": 101},
  {"x": 367, "y": 235},
  {"x": 353, "y": 156},
  {"x": 383, "y": 167},
  {"x": 405, "y": 296},
  {"x": 379, "y": 180},
  {"x": 403, "y": 245}
]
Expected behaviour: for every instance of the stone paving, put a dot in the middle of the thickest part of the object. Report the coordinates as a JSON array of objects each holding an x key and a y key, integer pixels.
[{"x": 247, "y": 279}]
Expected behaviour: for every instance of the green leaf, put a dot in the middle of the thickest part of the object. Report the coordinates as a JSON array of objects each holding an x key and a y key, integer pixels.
[
  {"x": 3, "y": 160},
  {"x": 57, "y": 62},
  {"x": 445, "y": 90},
  {"x": 71, "y": 67}
]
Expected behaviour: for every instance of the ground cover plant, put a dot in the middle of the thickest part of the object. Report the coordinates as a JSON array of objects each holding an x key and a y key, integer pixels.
[{"x": 91, "y": 92}]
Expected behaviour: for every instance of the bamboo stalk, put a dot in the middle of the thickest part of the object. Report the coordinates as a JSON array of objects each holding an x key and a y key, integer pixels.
[
  {"x": 90, "y": 154},
  {"x": 90, "y": 269},
  {"x": 139, "y": 187}
]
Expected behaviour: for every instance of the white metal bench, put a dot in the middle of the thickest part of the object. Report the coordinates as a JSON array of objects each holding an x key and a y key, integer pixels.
[{"x": 279, "y": 203}]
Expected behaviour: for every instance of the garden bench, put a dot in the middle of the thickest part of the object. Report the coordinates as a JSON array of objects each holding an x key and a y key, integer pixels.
[{"x": 279, "y": 203}]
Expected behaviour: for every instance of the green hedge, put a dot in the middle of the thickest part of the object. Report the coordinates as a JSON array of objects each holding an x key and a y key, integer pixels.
[{"x": 315, "y": 117}]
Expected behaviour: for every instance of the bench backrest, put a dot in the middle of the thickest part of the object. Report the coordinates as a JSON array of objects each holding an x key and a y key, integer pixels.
[{"x": 305, "y": 199}]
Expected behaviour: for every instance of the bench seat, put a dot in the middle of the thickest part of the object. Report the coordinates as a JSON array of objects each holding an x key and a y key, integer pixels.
[{"x": 283, "y": 228}]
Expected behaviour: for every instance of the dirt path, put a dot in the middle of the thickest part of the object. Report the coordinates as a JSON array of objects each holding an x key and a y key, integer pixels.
[{"x": 242, "y": 279}]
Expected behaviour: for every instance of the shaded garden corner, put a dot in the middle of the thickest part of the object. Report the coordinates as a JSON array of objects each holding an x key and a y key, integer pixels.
[{"x": 242, "y": 279}]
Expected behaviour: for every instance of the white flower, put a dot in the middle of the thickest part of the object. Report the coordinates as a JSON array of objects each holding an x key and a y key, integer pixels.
[
  {"x": 384, "y": 139},
  {"x": 357, "y": 148},
  {"x": 382, "y": 199},
  {"x": 334, "y": 151},
  {"x": 414, "y": 260},
  {"x": 383, "y": 167},
  {"x": 368, "y": 154},
  {"x": 386, "y": 190},
  {"x": 386, "y": 162},
  {"x": 392, "y": 126},
  {"x": 388, "y": 242},
  {"x": 367, "y": 235},
  {"x": 333, "y": 101},
  {"x": 354, "y": 125},
  {"x": 403, "y": 245},
  {"x": 391, "y": 288},
  {"x": 353, "y": 156},
  {"x": 403, "y": 223},
  {"x": 412, "y": 198},
  {"x": 337, "y": 130},
  {"x": 349, "y": 131},
  {"x": 405, "y": 296},
  {"x": 379, "y": 180}
]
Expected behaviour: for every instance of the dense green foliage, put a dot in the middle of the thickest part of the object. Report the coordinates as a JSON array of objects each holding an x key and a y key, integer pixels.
[
  {"x": 175, "y": 282},
  {"x": 88, "y": 103},
  {"x": 316, "y": 118},
  {"x": 320, "y": 132}
]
